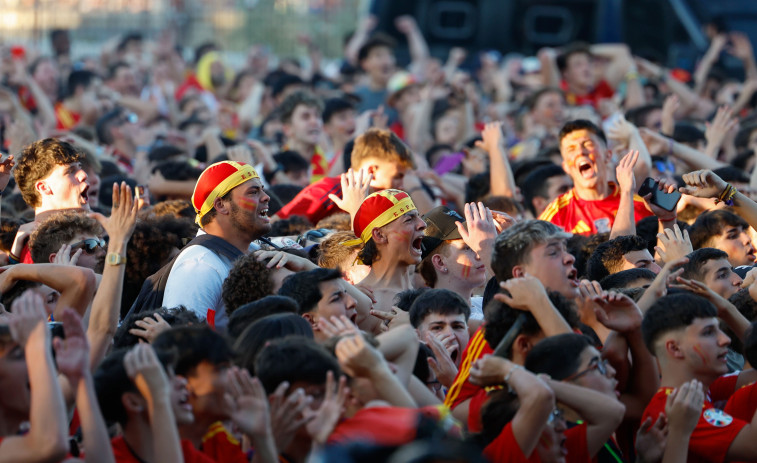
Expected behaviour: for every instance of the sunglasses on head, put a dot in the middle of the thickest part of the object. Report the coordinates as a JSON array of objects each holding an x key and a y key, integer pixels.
[{"x": 89, "y": 245}]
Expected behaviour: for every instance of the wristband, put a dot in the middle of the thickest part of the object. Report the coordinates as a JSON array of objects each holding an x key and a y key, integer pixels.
[
  {"x": 727, "y": 195},
  {"x": 509, "y": 375}
]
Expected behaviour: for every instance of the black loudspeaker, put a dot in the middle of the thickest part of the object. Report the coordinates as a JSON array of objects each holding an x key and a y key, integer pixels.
[{"x": 553, "y": 23}]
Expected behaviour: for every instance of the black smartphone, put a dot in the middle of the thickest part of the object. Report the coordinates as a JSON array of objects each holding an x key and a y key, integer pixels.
[
  {"x": 659, "y": 198},
  {"x": 56, "y": 330}
]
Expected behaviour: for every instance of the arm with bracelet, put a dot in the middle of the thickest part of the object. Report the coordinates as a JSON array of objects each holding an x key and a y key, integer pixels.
[{"x": 706, "y": 184}]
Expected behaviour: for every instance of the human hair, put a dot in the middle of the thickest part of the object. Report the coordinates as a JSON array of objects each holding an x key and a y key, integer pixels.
[
  {"x": 686, "y": 132},
  {"x": 280, "y": 84},
  {"x": 512, "y": 246},
  {"x": 113, "y": 69},
  {"x": 79, "y": 78},
  {"x": 478, "y": 187},
  {"x": 37, "y": 162},
  {"x": 671, "y": 313},
  {"x": 111, "y": 382},
  {"x": 377, "y": 41},
  {"x": 334, "y": 106},
  {"x": 174, "y": 316},
  {"x": 747, "y": 307},
  {"x": 19, "y": 288},
  {"x": 300, "y": 97},
  {"x": 404, "y": 299},
  {"x": 248, "y": 280},
  {"x": 582, "y": 124},
  {"x": 174, "y": 208},
  {"x": 750, "y": 344},
  {"x": 504, "y": 204},
  {"x": 426, "y": 267},
  {"x": 731, "y": 174},
  {"x": 531, "y": 102},
  {"x": 293, "y": 225},
  {"x": 8, "y": 230},
  {"x": 535, "y": 184},
  {"x": 711, "y": 224},
  {"x": 558, "y": 356},
  {"x": 164, "y": 153},
  {"x": 105, "y": 122},
  {"x": 247, "y": 314},
  {"x": 621, "y": 280},
  {"x": 294, "y": 359},
  {"x": 291, "y": 161},
  {"x": 607, "y": 258},
  {"x": 437, "y": 301},
  {"x": 336, "y": 222},
  {"x": 383, "y": 145},
  {"x": 195, "y": 345},
  {"x": 745, "y": 132},
  {"x": 570, "y": 50},
  {"x": 57, "y": 230},
  {"x": 500, "y": 317},
  {"x": 333, "y": 254},
  {"x": 263, "y": 331},
  {"x": 304, "y": 287},
  {"x": 370, "y": 253},
  {"x": 638, "y": 115},
  {"x": 179, "y": 170},
  {"x": 693, "y": 269}
]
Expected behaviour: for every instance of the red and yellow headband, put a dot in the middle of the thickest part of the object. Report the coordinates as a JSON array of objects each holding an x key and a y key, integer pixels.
[
  {"x": 217, "y": 180},
  {"x": 377, "y": 210}
]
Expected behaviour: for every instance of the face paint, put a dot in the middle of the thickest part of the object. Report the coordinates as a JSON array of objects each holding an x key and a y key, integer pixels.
[
  {"x": 247, "y": 203},
  {"x": 699, "y": 352},
  {"x": 466, "y": 271}
]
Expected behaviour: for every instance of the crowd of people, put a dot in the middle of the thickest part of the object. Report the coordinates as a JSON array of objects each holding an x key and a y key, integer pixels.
[{"x": 545, "y": 258}]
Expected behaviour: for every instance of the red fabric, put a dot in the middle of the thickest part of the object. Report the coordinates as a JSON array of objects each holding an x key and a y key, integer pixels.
[
  {"x": 585, "y": 217},
  {"x": 398, "y": 129},
  {"x": 319, "y": 165},
  {"x": 191, "y": 83},
  {"x": 723, "y": 388},
  {"x": 600, "y": 92},
  {"x": 474, "y": 410},
  {"x": 219, "y": 445},
  {"x": 388, "y": 426},
  {"x": 122, "y": 453},
  {"x": 462, "y": 389},
  {"x": 210, "y": 179},
  {"x": 709, "y": 442},
  {"x": 576, "y": 444},
  {"x": 26, "y": 254},
  {"x": 743, "y": 403},
  {"x": 65, "y": 119},
  {"x": 506, "y": 449},
  {"x": 313, "y": 202}
]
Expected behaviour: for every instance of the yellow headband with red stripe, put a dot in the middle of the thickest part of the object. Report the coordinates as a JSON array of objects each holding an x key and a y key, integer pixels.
[{"x": 217, "y": 180}]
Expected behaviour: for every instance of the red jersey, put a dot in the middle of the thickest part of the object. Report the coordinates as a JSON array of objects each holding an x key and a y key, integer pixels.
[
  {"x": 462, "y": 389},
  {"x": 505, "y": 448},
  {"x": 313, "y": 202},
  {"x": 319, "y": 165},
  {"x": 219, "y": 445},
  {"x": 123, "y": 453},
  {"x": 601, "y": 91},
  {"x": 715, "y": 430},
  {"x": 65, "y": 118},
  {"x": 743, "y": 403},
  {"x": 389, "y": 426},
  {"x": 585, "y": 217}
]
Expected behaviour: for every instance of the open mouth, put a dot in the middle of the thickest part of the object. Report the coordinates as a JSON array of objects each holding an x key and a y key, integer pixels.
[
  {"x": 586, "y": 169},
  {"x": 573, "y": 277},
  {"x": 85, "y": 194},
  {"x": 353, "y": 318},
  {"x": 722, "y": 357},
  {"x": 417, "y": 245},
  {"x": 263, "y": 213}
]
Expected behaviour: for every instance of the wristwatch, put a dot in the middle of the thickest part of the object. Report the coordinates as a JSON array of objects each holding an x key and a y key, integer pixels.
[{"x": 113, "y": 258}]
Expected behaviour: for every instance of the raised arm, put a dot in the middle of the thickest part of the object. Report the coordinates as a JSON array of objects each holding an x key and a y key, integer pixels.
[
  {"x": 76, "y": 285},
  {"x": 47, "y": 436},
  {"x": 501, "y": 176},
  {"x": 527, "y": 293}
]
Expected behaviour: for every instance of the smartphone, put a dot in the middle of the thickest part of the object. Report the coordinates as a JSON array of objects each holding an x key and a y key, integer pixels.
[
  {"x": 56, "y": 330},
  {"x": 659, "y": 198},
  {"x": 139, "y": 192}
]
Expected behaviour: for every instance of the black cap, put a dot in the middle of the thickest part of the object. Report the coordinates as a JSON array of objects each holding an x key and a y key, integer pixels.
[{"x": 440, "y": 227}]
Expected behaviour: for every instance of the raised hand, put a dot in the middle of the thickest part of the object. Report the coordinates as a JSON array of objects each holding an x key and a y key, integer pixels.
[
  {"x": 618, "y": 312},
  {"x": 651, "y": 439},
  {"x": 479, "y": 230},
  {"x": 393, "y": 318},
  {"x": 441, "y": 364},
  {"x": 328, "y": 414},
  {"x": 525, "y": 292},
  {"x": 662, "y": 214},
  {"x": 716, "y": 131},
  {"x": 684, "y": 406},
  {"x": 27, "y": 315},
  {"x": 702, "y": 184},
  {"x": 287, "y": 414},
  {"x": 491, "y": 137},
  {"x": 144, "y": 368},
  {"x": 6, "y": 166},
  {"x": 490, "y": 370},
  {"x": 669, "y": 108},
  {"x": 248, "y": 401},
  {"x": 358, "y": 358},
  {"x": 64, "y": 256},
  {"x": 624, "y": 172},
  {"x": 72, "y": 353},
  {"x": 355, "y": 188},
  {"x": 150, "y": 327},
  {"x": 697, "y": 287},
  {"x": 337, "y": 326},
  {"x": 123, "y": 216},
  {"x": 621, "y": 131},
  {"x": 674, "y": 244}
]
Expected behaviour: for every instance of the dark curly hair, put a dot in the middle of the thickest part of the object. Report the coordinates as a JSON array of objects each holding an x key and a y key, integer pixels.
[
  {"x": 37, "y": 161},
  {"x": 8, "y": 230},
  {"x": 59, "y": 229},
  {"x": 249, "y": 280},
  {"x": 370, "y": 253},
  {"x": 178, "y": 208},
  {"x": 176, "y": 316}
]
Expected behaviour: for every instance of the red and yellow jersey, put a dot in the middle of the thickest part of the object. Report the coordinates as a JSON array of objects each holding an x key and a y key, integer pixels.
[
  {"x": 585, "y": 217},
  {"x": 313, "y": 201},
  {"x": 715, "y": 430},
  {"x": 601, "y": 91},
  {"x": 462, "y": 389},
  {"x": 66, "y": 119},
  {"x": 220, "y": 445},
  {"x": 319, "y": 165}
]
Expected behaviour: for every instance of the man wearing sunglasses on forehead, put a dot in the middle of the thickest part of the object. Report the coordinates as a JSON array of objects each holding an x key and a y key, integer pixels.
[{"x": 69, "y": 238}]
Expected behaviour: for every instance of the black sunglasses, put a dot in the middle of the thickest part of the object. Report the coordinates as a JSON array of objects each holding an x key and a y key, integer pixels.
[{"x": 89, "y": 245}]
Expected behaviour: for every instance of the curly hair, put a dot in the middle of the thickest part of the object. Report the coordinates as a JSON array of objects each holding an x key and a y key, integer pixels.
[
  {"x": 178, "y": 208},
  {"x": 249, "y": 280},
  {"x": 37, "y": 162},
  {"x": 57, "y": 230},
  {"x": 8, "y": 230},
  {"x": 370, "y": 253},
  {"x": 290, "y": 103},
  {"x": 333, "y": 254},
  {"x": 339, "y": 221},
  {"x": 176, "y": 316}
]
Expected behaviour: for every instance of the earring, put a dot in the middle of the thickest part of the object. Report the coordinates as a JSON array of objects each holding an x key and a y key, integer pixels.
[{"x": 444, "y": 270}]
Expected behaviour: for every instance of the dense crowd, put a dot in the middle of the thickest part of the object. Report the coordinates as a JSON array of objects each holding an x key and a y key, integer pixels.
[{"x": 530, "y": 258}]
